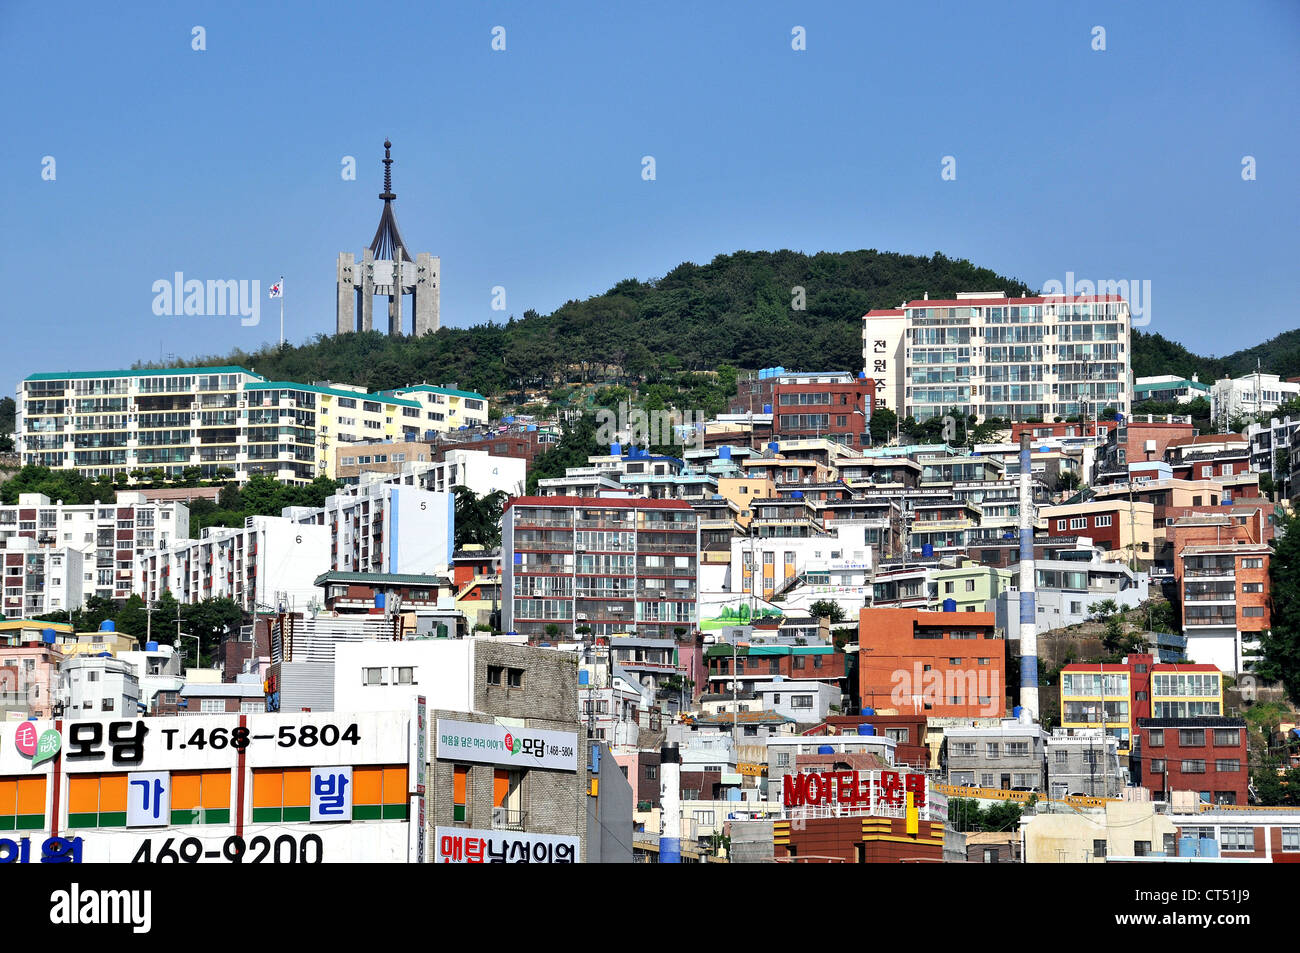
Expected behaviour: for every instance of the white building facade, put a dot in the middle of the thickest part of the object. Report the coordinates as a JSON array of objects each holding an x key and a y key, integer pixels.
[{"x": 993, "y": 356}]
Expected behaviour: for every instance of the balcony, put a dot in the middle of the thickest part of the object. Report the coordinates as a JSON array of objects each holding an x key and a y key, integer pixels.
[{"x": 504, "y": 819}]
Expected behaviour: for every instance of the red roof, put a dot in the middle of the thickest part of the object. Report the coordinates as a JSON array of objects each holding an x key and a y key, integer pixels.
[
  {"x": 985, "y": 302},
  {"x": 1211, "y": 438},
  {"x": 636, "y": 503},
  {"x": 885, "y": 313}
]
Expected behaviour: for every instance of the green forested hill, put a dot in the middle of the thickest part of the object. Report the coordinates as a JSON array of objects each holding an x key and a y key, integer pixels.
[{"x": 735, "y": 310}]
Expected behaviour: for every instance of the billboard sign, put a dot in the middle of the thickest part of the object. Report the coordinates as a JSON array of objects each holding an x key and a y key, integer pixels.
[
  {"x": 460, "y": 845},
  {"x": 512, "y": 746}
]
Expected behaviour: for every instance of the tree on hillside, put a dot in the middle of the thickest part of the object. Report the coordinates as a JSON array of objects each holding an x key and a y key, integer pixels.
[
  {"x": 1280, "y": 644},
  {"x": 577, "y": 443},
  {"x": 883, "y": 424},
  {"x": 827, "y": 609},
  {"x": 478, "y": 518}
]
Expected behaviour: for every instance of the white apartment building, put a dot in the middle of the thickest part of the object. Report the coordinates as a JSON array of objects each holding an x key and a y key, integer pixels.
[
  {"x": 376, "y": 527},
  {"x": 994, "y": 356},
  {"x": 38, "y": 581},
  {"x": 386, "y": 528},
  {"x": 218, "y": 419},
  {"x": 446, "y": 408},
  {"x": 107, "y": 538},
  {"x": 1251, "y": 394},
  {"x": 480, "y": 471},
  {"x": 95, "y": 687},
  {"x": 1168, "y": 388},
  {"x": 268, "y": 559}
]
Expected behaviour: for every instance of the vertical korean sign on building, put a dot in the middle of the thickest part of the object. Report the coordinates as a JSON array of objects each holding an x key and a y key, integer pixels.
[{"x": 418, "y": 765}]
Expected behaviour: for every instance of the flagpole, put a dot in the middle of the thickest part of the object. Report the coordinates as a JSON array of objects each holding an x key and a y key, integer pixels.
[{"x": 282, "y": 312}]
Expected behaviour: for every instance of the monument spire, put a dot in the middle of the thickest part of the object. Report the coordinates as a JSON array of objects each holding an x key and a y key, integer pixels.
[
  {"x": 386, "y": 270},
  {"x": 388, "y": 244}
]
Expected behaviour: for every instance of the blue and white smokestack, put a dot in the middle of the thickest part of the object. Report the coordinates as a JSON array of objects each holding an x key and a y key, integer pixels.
[
  {"x": 670, "y": 805},
  {"x": 1028, "y": 616}
]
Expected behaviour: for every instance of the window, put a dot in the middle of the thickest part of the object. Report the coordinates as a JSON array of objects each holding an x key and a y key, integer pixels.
[
  {"x": 1193, "y": 767},
  {"x": 1017, "y": 749},
  {"x": 992, "y": 748},
  {"x": 1237, "y": 838},
  {"x": 460, "y": 793},
  {"x": 1101, "y": 521},
  {"x": 495, "y": 674},
  {"x": 107, "y": 705},
  {"x": 1099, "y": 848},
  {"x": 1227, "y": 764},
  {"x": 207, "y": 705},
  {"x": 1079, "y": 522},
  {"x": 1253, "y": 612},
  {"x": 704, "y": 818},
  {"x": 1252, "y": 564},
  {"x": 1061, "y": 757},
  {"x": 1252, "y": 587},
  {"x": 404, "y": 676},
  {"x": 373, "y": 676},
  {"x": 970, "y": 585},
  {"x": 1291, "y": 839},
  {"x": 1060, "y": 525},
  {"x": 1191, "y": 737},
  {"x": 651, "y": 772},
  {"x": 515, "y": 678},
  {"x": 1157, "y": 765},
  {"x": 801, "y": 701},
  {"x": 92, "y": 676},
  {"x": 1141, "y": 848},
  {"x": 1156, "y": 737},
  {"x": 1227, "y": 737}
]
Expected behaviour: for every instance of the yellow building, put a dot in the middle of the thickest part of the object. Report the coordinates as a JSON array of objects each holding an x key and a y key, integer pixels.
[
  {"x": 19, "y": 631},
  {"x": 446, "y": 408},
  {"x": 1122, "y": 829}
]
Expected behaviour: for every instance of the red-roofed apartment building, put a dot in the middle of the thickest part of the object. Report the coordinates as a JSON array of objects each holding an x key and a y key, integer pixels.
[
  {"x": 994, "y": 356},
  {"x": 613, "y": 564}
]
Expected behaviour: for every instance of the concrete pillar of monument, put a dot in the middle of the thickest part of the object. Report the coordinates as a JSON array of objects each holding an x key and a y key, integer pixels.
[
  {"x": 427, "y": 279},
  {"x": 367, "y": 290},
  {"x": 346, "y": 292}
]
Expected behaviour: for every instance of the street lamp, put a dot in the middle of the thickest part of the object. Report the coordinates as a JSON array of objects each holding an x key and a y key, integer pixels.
[{"x": 197, "y": 645}]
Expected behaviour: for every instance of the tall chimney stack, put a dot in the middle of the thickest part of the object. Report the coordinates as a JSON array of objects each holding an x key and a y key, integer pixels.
[{"x": 1028, "y": 580}]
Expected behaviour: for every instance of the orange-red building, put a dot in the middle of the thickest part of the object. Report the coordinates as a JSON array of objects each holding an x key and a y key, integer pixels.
[
  {"x": 938, "y": 664},
  {"x": 1223, "y": 587}
]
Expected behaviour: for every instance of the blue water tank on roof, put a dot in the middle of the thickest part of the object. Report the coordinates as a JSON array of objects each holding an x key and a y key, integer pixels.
[
  {"x": 950, "y": 605},
  {"x": 151, "y": 646},
  {"x": 868, "y": 711},
  {"x": 825, "y": 749},
  {"x": 107, "y": 626},
  {"x": 866, "y": 730},
  {"x": 927, "y": 550},
  {"x": 48, "y": 636}
]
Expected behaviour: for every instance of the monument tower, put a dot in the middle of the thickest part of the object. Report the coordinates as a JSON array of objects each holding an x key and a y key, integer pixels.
[{"x": 386, "y": 269}]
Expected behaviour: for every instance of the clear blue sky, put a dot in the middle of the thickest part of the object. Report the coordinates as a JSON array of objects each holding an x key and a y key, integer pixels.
[{"x": 523, "y": 168}]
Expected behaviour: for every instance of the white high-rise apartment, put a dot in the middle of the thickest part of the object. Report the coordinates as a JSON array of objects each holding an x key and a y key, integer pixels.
[{"x": 994, "y": 356}]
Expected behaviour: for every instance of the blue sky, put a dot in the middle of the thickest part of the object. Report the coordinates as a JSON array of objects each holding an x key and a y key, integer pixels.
[{"x": 522, "y": 168}]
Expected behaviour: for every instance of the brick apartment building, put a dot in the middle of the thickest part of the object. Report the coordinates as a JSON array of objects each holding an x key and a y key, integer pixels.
[
  {"x": 614, "y": 564},
  {"x": 1113, "y": 524},
  {"x": 1223, "y": 589},
  {"x": 1038, "y": 431},
  {"x": 1140, "y": 437},
  {"x": 756, "y": 664},
  {"x": 1136, "y": 688},
  {"x": 837, "y": 406},
  {"x": 932, "y": 663},
  {"x": 1204, "y": 755}
]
